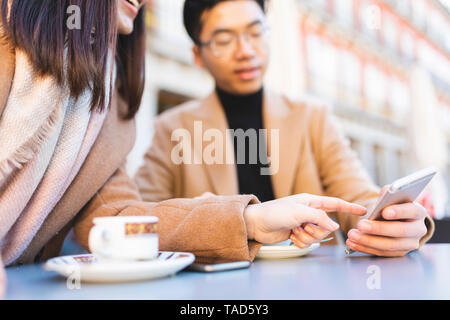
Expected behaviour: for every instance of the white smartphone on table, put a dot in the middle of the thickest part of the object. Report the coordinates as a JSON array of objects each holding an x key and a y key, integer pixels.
[
  {"x": 219, "y": 267},
  {"x": 403, "y": 190}
]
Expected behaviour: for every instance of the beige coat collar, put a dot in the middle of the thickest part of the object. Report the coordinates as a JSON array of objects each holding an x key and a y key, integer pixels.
[{"x": 277, "y": 115}]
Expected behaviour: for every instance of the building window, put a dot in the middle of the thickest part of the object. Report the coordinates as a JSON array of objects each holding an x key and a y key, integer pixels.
[
  {"x": 375, "y": 88},
  {"x": 404, "y": 7},
  {"x": 446, "y": 40},
  {"x": 407, "y": 45},
  {"x": 322, "y": 4},
  {"x": 370, "y": 17},
  {"x": 321, "y": 55},
  {"x": 380, "y": 168},
  {"x": 170, "y": 21},
  {"x": 390, "y": 32},
  {"x": 433, "y": 60},
  {"x": 399, "y": 100},
  {"x": 344, "y": 11},
  {"x": 349, "y": 76},
  {"x": 419, "y": 13},
  {"x": 436, "y": 26}
]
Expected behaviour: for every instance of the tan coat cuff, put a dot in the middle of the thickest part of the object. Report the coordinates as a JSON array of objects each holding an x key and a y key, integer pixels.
[{"x": 214, "y": 228}]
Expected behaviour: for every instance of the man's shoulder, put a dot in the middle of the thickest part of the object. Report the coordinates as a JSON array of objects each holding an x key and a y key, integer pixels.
[
  {"x": 177, "y": 113},
  {"x": 305, "y": 104}
]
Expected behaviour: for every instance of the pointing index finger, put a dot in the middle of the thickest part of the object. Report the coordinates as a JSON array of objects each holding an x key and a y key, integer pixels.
[{"x": 331, "y": 204}]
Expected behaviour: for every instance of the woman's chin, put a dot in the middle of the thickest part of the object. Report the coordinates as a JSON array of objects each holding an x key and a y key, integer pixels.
[{"x": 126, "y": 26}]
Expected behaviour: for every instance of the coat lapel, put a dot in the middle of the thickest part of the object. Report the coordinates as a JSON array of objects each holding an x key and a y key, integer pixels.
[
  {"x": 283, "y": 143},
  {"x": 222, "y": 174},
  {"x": 284, "y": 136}
]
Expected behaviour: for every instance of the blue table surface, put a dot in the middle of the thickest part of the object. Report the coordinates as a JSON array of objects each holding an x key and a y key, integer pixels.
[{"x": 326, "y": 273}]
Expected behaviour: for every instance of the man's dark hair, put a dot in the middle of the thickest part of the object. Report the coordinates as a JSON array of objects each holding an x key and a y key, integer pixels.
[{"x": 193, "y": 11}]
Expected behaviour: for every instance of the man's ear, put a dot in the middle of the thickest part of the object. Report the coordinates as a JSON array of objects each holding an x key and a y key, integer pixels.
[{"x": 197, "y": 57}]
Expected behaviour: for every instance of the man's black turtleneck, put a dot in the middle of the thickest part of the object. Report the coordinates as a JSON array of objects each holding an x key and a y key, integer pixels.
[{"x": 245, "y": 112}]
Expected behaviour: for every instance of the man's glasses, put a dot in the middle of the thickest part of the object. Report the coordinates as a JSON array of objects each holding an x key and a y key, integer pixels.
[{"x": 224, "y": 43}]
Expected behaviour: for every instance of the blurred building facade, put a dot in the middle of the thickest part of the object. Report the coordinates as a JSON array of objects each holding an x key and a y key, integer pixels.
[{"x": 368, "y": 59}]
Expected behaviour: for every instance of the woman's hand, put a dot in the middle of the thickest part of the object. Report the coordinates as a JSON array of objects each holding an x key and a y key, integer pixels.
[
  {"x": 307, "y": 234},
  {"x": 272, "y": 221}
]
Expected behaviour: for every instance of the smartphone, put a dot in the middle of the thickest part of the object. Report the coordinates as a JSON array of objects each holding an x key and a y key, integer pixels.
[
  {"x": 403, "y": 190},
  {"x": 219, "y": 267}
]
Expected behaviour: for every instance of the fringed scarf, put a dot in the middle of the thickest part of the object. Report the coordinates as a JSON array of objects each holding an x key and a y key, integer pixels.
[{"x": 45, "y": 137}]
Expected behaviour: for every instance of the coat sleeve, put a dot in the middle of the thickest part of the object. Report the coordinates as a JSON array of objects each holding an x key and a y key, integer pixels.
[
  {"x": 211, "y": 228},
  {"x": 342, "y": 174}
]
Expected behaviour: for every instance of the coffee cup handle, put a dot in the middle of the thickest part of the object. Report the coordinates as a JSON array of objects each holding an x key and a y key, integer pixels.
[{"x": 97, "y": 237}]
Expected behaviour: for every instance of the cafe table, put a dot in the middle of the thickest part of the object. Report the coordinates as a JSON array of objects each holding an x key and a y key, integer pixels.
[{"x": 325, "y": 273}]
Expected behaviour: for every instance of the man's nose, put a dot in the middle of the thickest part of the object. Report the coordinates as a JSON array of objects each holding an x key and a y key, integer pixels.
[{"x": 245, "y": 48}]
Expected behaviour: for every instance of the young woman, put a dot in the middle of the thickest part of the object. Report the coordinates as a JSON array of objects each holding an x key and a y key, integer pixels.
[
  {"x": 67, "y": 101},
  {"x": 67, "y": 97}
]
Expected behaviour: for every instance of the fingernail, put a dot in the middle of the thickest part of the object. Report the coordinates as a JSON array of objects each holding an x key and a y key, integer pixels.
[
  {"x": 350, "y": 243},
  {"x": 334, "y": 225},
  {"x": 365, "y": 226},
  {"x": 361, "y": 207},
  {"x": 354, "y": 234}
]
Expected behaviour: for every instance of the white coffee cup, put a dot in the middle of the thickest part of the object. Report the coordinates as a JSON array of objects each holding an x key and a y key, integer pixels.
[{"x": 124, "y": 238}]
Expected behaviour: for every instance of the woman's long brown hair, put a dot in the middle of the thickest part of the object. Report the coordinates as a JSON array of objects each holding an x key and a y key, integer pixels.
[{"x": 39, "y": 27}]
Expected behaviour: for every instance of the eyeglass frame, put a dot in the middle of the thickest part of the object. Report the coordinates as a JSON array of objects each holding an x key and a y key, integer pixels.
[{"x": 265, "y": 33}]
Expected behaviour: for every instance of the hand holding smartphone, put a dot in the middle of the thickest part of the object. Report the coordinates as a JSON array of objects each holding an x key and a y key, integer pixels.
[{"x": 403, "y": 190}]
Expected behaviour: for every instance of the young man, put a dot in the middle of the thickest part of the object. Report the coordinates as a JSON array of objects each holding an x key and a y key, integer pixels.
[{"x": 281, "y": 147}]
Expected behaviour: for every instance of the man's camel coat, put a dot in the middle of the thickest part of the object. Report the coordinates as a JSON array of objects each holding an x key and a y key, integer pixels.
[{"x": 313, "y": 155}]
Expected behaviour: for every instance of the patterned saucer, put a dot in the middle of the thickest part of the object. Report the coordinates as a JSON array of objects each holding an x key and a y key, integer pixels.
[{"x": 89, "y": 268}]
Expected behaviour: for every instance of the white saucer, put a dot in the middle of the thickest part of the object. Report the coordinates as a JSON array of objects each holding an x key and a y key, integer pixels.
[
  {"x": 89, "y": 268},
  {"x": 284, "y": 251}
]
